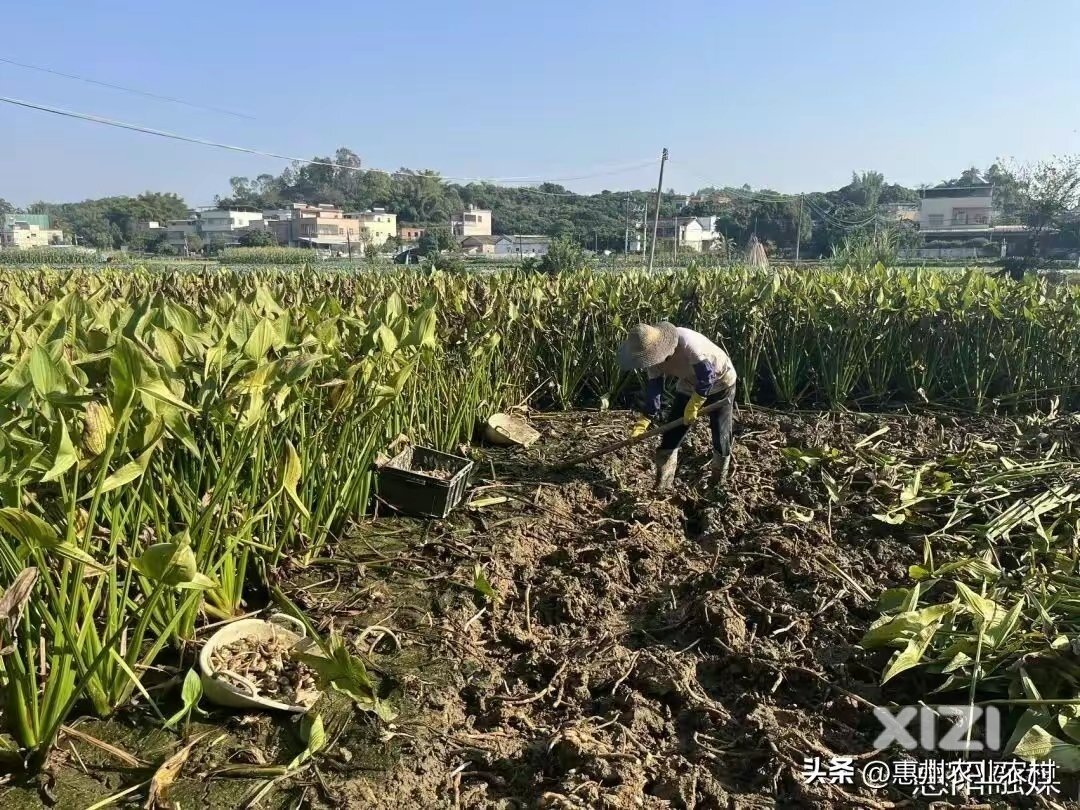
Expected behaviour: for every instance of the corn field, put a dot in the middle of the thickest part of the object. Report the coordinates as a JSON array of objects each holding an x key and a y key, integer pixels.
[{"x": 170, "y": 438}]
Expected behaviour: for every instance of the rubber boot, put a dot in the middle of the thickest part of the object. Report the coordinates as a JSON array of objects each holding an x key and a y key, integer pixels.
[
  {"x": 719, "y": 467},
  {"x": 666, "y": 462}
]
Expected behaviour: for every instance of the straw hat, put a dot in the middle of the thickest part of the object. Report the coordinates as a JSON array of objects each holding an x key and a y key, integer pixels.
[{"x": 647, "y": 345}]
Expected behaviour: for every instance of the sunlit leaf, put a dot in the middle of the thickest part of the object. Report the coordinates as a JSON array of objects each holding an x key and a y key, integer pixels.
[
  {"x": 481, "y": 584},
  {"x": 1039, "y": 745},
  {"x": 262, "y": 339},
  {"x": 157, "y": 389},
  {"x": 291, "y": 470},
  {"x": 126, "y": 474},
  {"x": 172, "y": 563},
  {"x": 64, "y": 457},
  {"x": 45, "y": 372},
  {"x": 911, "y": 655}
]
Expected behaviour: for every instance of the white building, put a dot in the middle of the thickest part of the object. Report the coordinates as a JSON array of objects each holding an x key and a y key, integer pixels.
[
  {"x": 958, "y": 209},
  {"x": 708, "y": 227},
  {"x": 954, "y": 222},
  {"x": 498, "y": 246},
  {"x": 376, "y": 225},
  {"x": 178, "y": 232},
  {"x": 221, "y": 226},
  {"x": 523, "y": 246},
  {"x": 28, "y": 231},
  {"x": 690, "y": 233},
  {"x": 483, "y": 244},
  {"x": 213, "y": 226},
  {"x": 694, "y": 233},
  {"x": 472, "y": 222}
]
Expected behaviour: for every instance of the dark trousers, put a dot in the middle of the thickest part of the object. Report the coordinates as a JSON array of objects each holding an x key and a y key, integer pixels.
[{"x": 719, "y": 422}]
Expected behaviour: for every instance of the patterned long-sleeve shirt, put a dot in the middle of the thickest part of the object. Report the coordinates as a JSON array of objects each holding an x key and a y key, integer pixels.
[{"x": 699, "y": 365}]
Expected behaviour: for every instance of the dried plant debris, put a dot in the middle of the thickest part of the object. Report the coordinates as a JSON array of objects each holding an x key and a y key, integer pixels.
[
  {"x": 438, "y": 472},
  {"x": 267, "y": 669}
]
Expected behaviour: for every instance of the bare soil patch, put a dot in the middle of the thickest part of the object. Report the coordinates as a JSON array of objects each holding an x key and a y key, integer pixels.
[{"x": 640, "y": 651}]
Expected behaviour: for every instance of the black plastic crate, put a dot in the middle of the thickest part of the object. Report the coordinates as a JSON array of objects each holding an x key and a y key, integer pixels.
[{"x": 407, "y": 485}]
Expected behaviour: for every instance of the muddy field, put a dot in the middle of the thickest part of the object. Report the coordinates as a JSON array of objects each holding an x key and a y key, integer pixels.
[{"x": 638, "y": 651}]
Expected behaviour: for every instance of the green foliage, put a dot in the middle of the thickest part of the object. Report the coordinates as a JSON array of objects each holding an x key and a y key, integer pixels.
[
  {"x": 36, "y": 257},
  {"x": 482, "y": 585},
  {"x": 862, "y": 251},
  {"x": 600, "y": 221},
  {"x": 133, "y": 411},
  {"x": 110, "y": 222},
  {"x": 447, "y": 262},
  {"x": 563, "y": 254},
  {"x": 1048, "y": 191},
  {"x": 257, "y": 239},
  {"x": 169, "y": 437},
  {"x": 190, "y": 694},
  {"x": 151, "y": 242},
  {"x": 995, "y": 621},
  {"x": 243, "y": 409},
  {"x": 1037, "y": 195},
  {"x": 216, "y": 245},
  {"x": 435, "y": 240},
  {"x": 597, "y": 220}
]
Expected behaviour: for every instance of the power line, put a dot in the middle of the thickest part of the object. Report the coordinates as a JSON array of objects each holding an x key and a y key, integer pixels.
[
  {"x": 832, "y": 217},
  {"x": 776, "y": 196},
  {"x": 842, "y": 223},
  {"x": 96, "y": 119},
  {"x": 759, "y": 196},
  {"x": 158, "y": 96},
  {"x": 764, "y": 196},
  {"x": 747, "y": 195},
  {"x": 601, "y": 171}
]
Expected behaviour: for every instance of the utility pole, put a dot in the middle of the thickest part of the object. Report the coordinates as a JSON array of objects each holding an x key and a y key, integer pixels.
[
  {"x": 798, "y": 230},
  {"x": 656, "y": 215},
  {"x": 626, "y": 240},
  {"x": 675, "y": 254},
  {"x": 644, "y": 230}
]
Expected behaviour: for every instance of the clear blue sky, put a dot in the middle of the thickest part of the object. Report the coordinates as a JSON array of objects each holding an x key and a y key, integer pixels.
[{"x": 787, "y": 95}]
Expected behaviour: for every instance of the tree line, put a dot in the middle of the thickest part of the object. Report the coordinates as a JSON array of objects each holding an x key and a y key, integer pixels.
[{"x": 1040, "y": 196}]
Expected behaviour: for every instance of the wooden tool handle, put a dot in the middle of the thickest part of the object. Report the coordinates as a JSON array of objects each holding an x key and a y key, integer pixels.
[{"x": 611, "y": 448}]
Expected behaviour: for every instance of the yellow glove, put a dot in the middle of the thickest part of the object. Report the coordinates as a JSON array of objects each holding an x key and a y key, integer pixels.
[
  {"x": 692, "y": 408},
  {"x": 640, "y": 427}
]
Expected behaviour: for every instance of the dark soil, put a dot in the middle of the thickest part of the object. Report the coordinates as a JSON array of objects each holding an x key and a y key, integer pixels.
[{"x": 641, "y": 651}]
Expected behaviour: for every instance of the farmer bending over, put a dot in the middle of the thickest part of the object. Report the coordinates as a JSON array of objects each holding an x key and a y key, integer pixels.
[{"x": 705, "y": 376}]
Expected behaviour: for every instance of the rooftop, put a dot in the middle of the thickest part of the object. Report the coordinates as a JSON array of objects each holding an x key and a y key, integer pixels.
[
  {"x": 974, "y": 230},
  {"x": 957, "y": 191},
  {"x": 41, "y": 220},
  {"x": 373, "y": 212},
  {"x": 484, "y": 239}
]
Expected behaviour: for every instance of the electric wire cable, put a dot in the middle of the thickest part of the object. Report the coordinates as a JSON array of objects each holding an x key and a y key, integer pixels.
[
  {"x": 97, "y": 119},
  {"x": 132, "y": 90}
]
